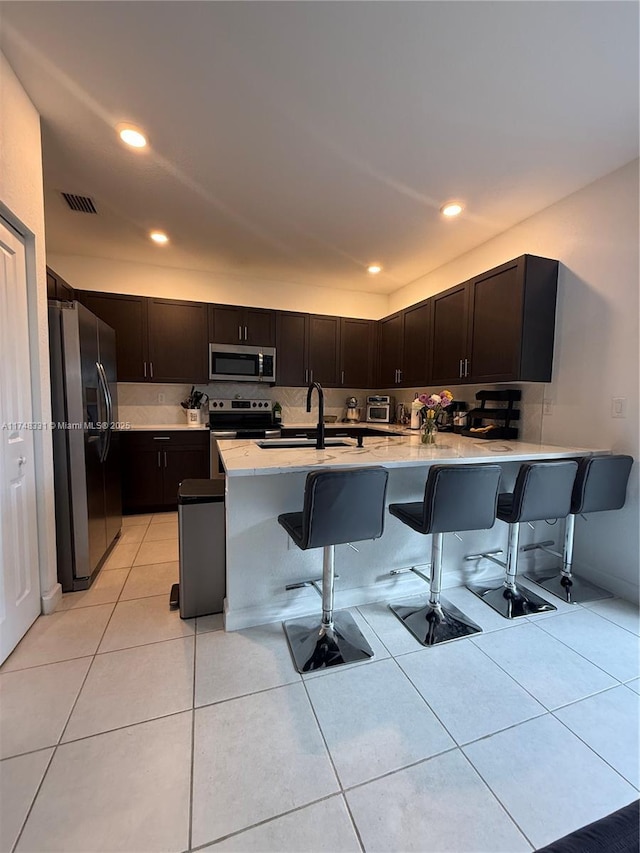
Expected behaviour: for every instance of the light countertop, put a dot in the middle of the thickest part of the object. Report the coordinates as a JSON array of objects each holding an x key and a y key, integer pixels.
[{"x": 246, "y": 458}]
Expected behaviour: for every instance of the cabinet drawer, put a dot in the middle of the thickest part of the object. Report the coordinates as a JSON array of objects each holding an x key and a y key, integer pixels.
[{"x": 156, "y": 439}]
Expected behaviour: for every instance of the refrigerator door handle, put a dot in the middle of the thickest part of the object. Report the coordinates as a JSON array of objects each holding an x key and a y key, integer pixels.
[{"x": 109, "y": 409}]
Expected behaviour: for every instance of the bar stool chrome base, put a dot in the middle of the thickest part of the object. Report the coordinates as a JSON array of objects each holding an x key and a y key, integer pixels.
[
  {"x": 571, "y": 589},
  {"x": 314, "y": 646},
  {"x": 508, "y": 602},
  {"x": 433, "y": 624}
]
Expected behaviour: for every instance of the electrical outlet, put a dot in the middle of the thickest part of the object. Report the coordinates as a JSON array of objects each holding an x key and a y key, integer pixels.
[
  {"x": 618, "y": 407},
  {"x": 547, "y": 407},
  {"x": 161, "y": 398}
]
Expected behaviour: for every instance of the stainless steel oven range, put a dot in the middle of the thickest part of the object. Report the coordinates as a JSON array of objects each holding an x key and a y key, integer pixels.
[{"x": 231, "y": 419}]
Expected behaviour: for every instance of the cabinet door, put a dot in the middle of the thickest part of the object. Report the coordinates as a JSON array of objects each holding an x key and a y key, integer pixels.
[
  {"x": 324, "y": 350},
  {"x": 495, "y": 331},
  {"x": 177, "y": 341},
  {"x": 416, "y": 345},
  {"x": 291, "y": 348},
  {"x": 179, "y": 465},
  {"x": 127, "y": 315},
  {"x": 357, "y": 352},
  {"x": 142, "y": 476},
  {"x": 449, "y": 342},
  {"x": 57, "y": 287},
  {"x": 390, "y": 357},
  {"x": 260, "y": 327},
  {"x": 226, "y": 324}
]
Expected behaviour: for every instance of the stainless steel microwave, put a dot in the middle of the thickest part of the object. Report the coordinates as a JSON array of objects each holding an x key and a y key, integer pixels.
[{"x": 242, "y": 363}]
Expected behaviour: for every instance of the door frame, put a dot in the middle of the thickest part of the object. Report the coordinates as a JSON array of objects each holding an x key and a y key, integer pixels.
[{"x": 50, "y": 589}]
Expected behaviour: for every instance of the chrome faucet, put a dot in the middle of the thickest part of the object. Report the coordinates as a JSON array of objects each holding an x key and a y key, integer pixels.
[{"x": 320, "y": 436}]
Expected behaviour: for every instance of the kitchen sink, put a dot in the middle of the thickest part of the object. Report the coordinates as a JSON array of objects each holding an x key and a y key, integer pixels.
[{"x": 300, "y": 443}]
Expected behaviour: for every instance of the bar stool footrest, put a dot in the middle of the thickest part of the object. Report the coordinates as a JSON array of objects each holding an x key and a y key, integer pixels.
[
  {"x": 313, "y": 647},
  {"x": 432, "y": 625},
  {"x": 511, "y": 603},
  {"x": 573, "y": 590}
]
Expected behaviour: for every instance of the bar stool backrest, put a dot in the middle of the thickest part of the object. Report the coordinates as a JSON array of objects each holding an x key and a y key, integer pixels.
[
  {"x": 601, "y": 483},
  {"x": 542, "y": 490},
  {"x": 343, "y": 506},
  {"x": 460, "y": 497}
]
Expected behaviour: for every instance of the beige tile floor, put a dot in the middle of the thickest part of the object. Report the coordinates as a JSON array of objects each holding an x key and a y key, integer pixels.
[{"x": 125, "y": 728}]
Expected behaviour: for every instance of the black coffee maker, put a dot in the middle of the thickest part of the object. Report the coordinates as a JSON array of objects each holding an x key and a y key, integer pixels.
[{"x": 448, "y": 418}]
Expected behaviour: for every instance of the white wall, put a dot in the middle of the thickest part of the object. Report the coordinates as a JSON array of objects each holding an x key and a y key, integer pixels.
[
  {"x": 22, "y": 203},
  {"x": 146, "y": 280},
  {"x": 594, "y": 235}
]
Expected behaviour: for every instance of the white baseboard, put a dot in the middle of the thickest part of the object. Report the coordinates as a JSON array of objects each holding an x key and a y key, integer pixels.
[
  {"x": 306, "y": 602},
  {"x": 49, "y": 601}
]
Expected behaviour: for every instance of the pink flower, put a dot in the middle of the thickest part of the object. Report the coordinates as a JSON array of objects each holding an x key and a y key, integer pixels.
[{"x": 424, "y": 399}]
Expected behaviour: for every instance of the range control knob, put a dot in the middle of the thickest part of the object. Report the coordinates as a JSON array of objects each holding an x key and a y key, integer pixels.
[
  {"x": 254, "y": 405},
  {"x": 214, "y": 404}
]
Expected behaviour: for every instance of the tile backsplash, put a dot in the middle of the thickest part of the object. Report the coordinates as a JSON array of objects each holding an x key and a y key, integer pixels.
[{"x": 140, "y": 403}]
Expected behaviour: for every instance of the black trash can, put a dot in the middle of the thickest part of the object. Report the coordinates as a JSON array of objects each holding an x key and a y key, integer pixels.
[{"x": 201, "y": 531}]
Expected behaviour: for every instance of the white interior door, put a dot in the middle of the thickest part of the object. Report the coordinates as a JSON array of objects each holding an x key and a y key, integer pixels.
[{"x": 19, "y": 574}]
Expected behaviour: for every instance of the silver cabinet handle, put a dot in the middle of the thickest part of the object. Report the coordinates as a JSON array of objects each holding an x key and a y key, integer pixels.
[
  {"x": 246, "y": 334},
  {"x": 145, "y": 370},
  {"x": 158, "y": 459},
  {"x": 399, "y": 375},
  {"x": 460, "y": 371},
  {"x": 151, "y": 368},
  {"x": 162, "y": 438},
  {"x": 239, "y": 333},
  {"x": 311, "y": 375},
  {"x": 306, "y": 374},
  {"x": 342, "y": 380},
  {"x": 466, "y": 367},
  {"x": 165, "y": 459}
]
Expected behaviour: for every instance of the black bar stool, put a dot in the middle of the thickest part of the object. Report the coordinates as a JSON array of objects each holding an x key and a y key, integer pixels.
[
  {"x": 340, "y": 507},
  {"x": 542, "y": 490},
  {"x": 600, "y": 486},
  {"x": 456, "y": 498}
]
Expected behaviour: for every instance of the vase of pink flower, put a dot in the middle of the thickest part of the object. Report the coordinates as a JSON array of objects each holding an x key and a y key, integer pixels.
[{"x": 432, "y": 406}]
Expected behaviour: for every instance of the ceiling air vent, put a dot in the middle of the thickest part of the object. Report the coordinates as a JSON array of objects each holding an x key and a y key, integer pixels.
[{"x": 81, "y": 203}]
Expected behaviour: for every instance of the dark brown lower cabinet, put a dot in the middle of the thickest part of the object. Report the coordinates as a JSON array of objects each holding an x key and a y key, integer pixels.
[{"x": 155, "y": 463}]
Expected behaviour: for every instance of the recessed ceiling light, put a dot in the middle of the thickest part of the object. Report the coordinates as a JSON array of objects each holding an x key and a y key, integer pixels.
[
  {"x": 451, "y": 208},
  {"x": 159, "y": 237},
  {"x": 374, "y": 269},
  {"x": 132, "y": 136}
]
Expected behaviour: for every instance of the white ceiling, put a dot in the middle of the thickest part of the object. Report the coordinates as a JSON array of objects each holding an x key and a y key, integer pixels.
[{"x": 302, "y": 140}]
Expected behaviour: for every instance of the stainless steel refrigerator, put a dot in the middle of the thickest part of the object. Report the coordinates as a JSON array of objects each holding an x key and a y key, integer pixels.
[{"x": 86, "y": 446}]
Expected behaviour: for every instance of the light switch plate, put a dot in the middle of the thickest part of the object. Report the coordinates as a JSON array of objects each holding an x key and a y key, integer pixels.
[
  {"x": 161, "y": 398},
  {"x": 547, "y": 407},
  {"x": 618, "y": 407}
]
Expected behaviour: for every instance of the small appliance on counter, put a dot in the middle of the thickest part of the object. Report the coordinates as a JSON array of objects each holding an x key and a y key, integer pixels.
[
  {"x": 500, "y": 418},
  {"x": 353, "y": 411},
  {"x": 453, "y": 418},
  {"x": 380, "y": 409}
]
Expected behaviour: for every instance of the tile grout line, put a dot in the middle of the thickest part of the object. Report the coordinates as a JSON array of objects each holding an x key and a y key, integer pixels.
[
  {"x": 55, "y": 748},
  {"x": 583, "y": 656},
  {"x": 264, "y": 822},
  {"x": 499, "y": 801},
  {"x": 193, "y": 742},
  {"x": 601, "y": 757}
]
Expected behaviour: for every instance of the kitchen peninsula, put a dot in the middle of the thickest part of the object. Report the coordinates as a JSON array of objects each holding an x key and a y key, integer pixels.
[{"x": 262, "y": 482}]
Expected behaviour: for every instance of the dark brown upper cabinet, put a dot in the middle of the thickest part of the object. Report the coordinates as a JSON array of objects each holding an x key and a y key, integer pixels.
[
  {"x": 357, "y": 352},
  {"x": 390, "y": 333},
  {"x": 157, "y": 340},
  {"x": 323, "y": 350},
  {"x": 291, "y": 348},
  {"x": 233, "y": 324},
  {"x": 178, "y": 350},
  {"x": 127, "y": 315},
  {"x": 57, "y": 287},
  {"x": 416, "y": 344},
  {"x": 449, "y": 339},
  {"x": 497, "y": 327}
]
